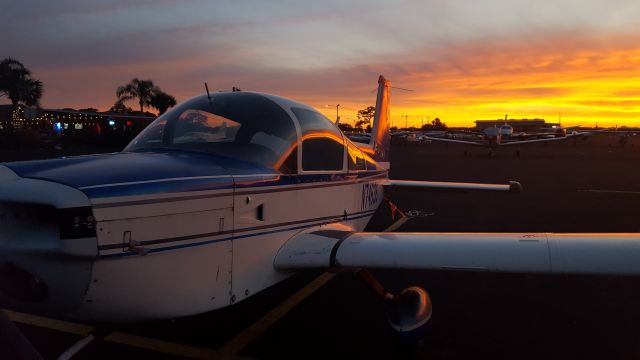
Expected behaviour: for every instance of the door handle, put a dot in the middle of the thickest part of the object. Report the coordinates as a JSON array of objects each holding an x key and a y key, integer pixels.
[{"x": 133, "y": 244}]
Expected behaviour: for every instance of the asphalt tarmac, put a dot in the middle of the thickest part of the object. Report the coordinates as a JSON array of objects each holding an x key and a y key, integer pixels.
[{"x": 476, "y": 315}]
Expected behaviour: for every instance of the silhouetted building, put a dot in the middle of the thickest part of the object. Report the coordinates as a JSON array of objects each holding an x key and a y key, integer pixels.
[{"x": 71, "y": 122}]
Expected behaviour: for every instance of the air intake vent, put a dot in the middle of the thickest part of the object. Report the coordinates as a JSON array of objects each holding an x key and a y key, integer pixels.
[{"x": 260, "y": 212}]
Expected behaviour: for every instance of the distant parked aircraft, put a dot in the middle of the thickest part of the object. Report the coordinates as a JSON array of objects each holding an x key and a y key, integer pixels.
[{"x": 494, "y": 137}]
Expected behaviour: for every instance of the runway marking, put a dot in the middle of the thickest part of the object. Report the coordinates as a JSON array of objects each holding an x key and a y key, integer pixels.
[
  {"x": 229, "y": 350},
  {"x": 398, "y": 223},
  {"x": 248, "y": 335},
  {"x": 48, "y": 323},
  {"x": 136, "y": 341},
  {"x": 162, "y": 346}
]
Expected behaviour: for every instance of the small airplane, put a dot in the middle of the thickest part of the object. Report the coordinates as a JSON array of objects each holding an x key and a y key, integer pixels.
[
  {"x": 228, "y": 194},
  {"x": 494, "y": 137},
  {"x": 506, "y": 130}
]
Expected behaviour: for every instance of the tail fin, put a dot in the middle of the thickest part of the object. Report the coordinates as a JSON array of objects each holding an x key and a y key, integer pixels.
[{"x": 380, "y": 137}]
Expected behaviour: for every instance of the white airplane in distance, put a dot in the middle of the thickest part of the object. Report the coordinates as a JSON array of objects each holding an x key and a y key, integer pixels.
[
  {"x": 494, "y": 137},
  {"x": 506, "y": 130},
  {"x": 228, "y": 194}
]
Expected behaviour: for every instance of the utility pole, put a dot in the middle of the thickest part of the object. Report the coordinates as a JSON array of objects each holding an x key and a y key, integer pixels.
[
  {"x": 405, "y": 121},
  {"x": 337, "y": 112}
]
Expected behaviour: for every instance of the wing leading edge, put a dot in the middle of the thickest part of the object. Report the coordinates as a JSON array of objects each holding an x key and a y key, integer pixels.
[
  {"x": 520, "y": 142},
  {"x": 504, "y": 142},
  {"x": 546, "y": 253},
  {"x": 453, "y": 141}
]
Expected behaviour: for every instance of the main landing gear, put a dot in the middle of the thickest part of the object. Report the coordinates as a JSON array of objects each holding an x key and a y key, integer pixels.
[{"x": 408, "y": 312}]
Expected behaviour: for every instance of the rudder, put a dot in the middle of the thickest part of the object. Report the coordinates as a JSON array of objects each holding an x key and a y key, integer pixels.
[{"x": 380, "y": 138}]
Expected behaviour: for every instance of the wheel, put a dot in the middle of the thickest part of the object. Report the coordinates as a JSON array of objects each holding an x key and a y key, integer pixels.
[{"x": 409, "y": 312}]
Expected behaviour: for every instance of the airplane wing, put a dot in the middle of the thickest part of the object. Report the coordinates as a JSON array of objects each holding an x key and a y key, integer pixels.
[
  {"x": 520, "y": 142},
  {"x": 465, "y": 142},
  {"x": 439, "y": 185},
  {"x": 545, "y": 253},
  {"x": 617, "y": 132}
]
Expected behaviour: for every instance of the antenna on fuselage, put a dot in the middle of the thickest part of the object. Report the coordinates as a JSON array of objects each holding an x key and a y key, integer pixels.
[{"x": 206, "y": 87}]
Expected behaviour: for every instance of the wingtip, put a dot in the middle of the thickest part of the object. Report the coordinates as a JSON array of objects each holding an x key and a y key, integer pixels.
[{"x": 515, "y": 186}]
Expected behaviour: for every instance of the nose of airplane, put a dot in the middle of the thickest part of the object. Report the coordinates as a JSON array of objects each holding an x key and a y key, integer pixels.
[{"x": 46, "y": 248}]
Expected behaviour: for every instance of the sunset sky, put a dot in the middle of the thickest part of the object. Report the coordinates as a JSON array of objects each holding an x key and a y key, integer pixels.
[{"x": 464, "y": 60}]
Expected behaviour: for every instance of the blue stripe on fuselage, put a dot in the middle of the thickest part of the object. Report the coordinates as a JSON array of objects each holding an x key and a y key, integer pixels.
[
  {"x": 104, "y": 169},
  {"x": 83, "y": 171},
  {"x": 146, "y": 173}
]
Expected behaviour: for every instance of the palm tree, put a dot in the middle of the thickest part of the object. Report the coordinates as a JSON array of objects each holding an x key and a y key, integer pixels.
[
  {"x": 16, "y": 83},
  {"x": 162, "y": 101},
  {"x": 120, "y": 107},
  {"x": 137, "y": 89},
  {"x": 31, "y": 92}
]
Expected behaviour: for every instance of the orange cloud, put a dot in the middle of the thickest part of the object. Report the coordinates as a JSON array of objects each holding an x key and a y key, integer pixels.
[
  {"x": 584, "y": 78},
  {"x": 562, "y": 76}
]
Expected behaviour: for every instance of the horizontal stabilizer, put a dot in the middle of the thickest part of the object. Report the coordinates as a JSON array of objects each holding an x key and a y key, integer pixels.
[
  {"x": 441, "y": 185},
  {"x": 606, "y": 254}
]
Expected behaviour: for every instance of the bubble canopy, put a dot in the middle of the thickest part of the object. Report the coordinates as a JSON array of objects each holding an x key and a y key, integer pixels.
[{"x": 239, "y": 125}]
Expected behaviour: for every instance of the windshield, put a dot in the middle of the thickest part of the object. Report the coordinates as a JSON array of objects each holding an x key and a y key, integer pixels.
[{"x": 243, "y": 126}]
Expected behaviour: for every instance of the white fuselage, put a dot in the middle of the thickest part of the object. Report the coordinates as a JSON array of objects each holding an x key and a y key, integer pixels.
[
  {"x": 211, "y": 251},
  {"x": 506, "y": 130}
]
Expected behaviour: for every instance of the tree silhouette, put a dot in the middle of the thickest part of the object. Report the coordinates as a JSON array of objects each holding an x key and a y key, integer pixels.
[
  {"x": 31, "y": 92},
  {"x": 16, "y": 83},
  {"x": 345, "y": 127},
  {"x": 365, "y": 116},
  {"x": 436, "y": 124},
  {"x": 147, "y": 94},
  {"x": 161, "y": 101},
  {"x": 120, "y": 107},
  {"x": 136, "y": 89}
]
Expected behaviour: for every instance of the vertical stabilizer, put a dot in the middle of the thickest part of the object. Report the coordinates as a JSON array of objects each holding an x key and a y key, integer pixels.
[{"x": 380, "y": 138}]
